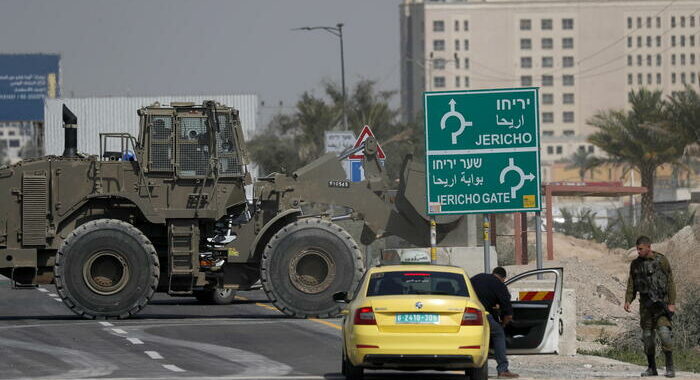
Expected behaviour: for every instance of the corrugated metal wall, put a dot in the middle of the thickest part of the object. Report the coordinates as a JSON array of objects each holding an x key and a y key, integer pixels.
[{"x": 118, "y": 115}]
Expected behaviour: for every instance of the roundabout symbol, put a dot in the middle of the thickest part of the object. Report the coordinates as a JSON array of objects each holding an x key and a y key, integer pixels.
[
  {"x": 512, "y": 167},
  {"x": 463, "y": 123}
]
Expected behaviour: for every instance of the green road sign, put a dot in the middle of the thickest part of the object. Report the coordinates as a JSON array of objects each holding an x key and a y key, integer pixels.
[{"x": 482, "y": 151}]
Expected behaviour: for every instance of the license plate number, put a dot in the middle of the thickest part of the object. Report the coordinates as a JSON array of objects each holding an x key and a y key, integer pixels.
[{"x": 418, "y": 318}]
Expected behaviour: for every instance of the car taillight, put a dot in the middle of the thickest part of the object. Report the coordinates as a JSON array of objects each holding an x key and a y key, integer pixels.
[
  {"x": 472, "y": 317},
  {"x": 365, "y": 316}
]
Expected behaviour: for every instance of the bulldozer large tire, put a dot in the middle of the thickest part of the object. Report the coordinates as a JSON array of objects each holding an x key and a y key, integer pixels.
[
  {"x": 106, "y": 269},
  {"x": 305, "y": 263}
]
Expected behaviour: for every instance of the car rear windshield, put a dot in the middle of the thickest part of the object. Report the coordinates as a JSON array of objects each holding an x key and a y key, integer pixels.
[{"x": 417, "y": 282}]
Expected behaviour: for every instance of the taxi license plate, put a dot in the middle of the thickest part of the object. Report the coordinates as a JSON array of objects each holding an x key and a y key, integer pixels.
[{"x": 418, "y": 318}]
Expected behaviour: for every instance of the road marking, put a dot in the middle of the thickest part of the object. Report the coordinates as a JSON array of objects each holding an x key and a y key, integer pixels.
[
  {"x": 321, "y": 321},
  {"x": 119, "y": 331},
  {"x": 153, "y": 355},
  {"x": 43, "y": 290},
  {"x": 135, "y": 340},
  {"x": 258, "y": 304},
  {"x": 57, "y": 299},
  {"x": 53, "y": 295},
  {"x": 173, "y": 368},
  {"x": 106, "y": 324}
]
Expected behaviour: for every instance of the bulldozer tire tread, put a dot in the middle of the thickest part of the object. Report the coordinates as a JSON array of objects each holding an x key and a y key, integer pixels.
[
  {"x": 271, "y": 285},
  {"x": 138, "y": 238}
]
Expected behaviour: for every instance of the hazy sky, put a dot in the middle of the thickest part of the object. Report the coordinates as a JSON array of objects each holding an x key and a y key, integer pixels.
[{"x": 180, "y": 47}]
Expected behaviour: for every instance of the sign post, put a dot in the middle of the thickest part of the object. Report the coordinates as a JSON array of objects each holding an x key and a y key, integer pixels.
[
  {"x": 482, "y": 152},
  {"x": 357, "y": 173}
]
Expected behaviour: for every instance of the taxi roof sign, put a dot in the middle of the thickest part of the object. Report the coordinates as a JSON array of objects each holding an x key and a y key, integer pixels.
[{"x": 366, "y": 132}]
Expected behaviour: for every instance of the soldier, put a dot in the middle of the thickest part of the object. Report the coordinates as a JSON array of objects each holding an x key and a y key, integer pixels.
[{"x": 651, "y": 277}]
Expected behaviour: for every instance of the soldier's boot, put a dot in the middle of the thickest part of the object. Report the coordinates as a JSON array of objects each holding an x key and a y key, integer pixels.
[
  {"x": 670, "y": 371},
  {"x": 650, "y": 350}
]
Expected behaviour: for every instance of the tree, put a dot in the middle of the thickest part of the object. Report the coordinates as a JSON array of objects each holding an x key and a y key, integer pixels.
[
  {"x": 638, "y": 138},
  {"x": 684, "y": 114},
  {"x": 583, "y": 161}
]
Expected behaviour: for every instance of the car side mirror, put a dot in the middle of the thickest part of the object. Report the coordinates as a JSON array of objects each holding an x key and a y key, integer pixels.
[{"x": 341, "y": 297}]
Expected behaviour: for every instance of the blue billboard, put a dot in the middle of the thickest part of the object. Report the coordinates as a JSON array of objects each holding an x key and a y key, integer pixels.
[{"x": 25, "y": 80}]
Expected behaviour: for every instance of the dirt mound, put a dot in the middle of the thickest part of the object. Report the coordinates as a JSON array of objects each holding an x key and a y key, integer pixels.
[{"x": 682, "y": 251}]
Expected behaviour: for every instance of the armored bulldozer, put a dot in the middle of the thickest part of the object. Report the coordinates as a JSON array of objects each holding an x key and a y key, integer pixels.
[{"x": 167, "y": 211}]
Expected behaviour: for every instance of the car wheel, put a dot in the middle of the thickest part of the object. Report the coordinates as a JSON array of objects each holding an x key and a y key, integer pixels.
[
  {"x": 106, "y": 268},
  {"x": 350, "y": 371},
  {"x": 305, "y": 263},
  {"x": 479, "y": 373}
]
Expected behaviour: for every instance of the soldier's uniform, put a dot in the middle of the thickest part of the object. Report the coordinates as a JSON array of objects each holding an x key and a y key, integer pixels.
[{"x": 652, "y": 278}]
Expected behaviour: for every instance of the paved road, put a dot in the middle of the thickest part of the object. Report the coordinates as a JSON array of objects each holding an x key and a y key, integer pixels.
[{"x": 178, "y": 338}]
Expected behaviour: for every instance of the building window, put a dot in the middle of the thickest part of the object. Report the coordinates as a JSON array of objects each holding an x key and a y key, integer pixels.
[
  {"x": 630, "y": 79},
  {"x": 682, "y": 21},
  {"x": 456, "y": 61},
  {"x": 547, "y": 133},
  {"x": 682, "y": 59},
  {"x": 568, "y": 132},
  {"x": 438, "y": 45},
  {"x": 649, "y": 22},
  {"x": 639, "y": 41},
  {"x": 639, "y": 79},
  {"x": 2, "y": 133},
  {"x": 692, "y": 77},
  {"x": 648, "y": 59},
  {"x": 547, "y": 80},
  {"x": 466, "y": 44},
  {"x": 658, "y": 41},
  {"x": 673, "y": 41},
  {"x": 547, "y": 62},
  {"x": 639, "y": 22},
  {"x": 547, "y": 117},
  {"x": 466, "y": 63},
  {"x": 11, "y": 133},
  {"x": 567, "y": 23},
  {"x": 658, "y": 22},
  {"x": 658, "y": 78},
  {"x": 673, "y": 59},
  {"x": 639, "y": 59},
  {"x": 568, "y": 80},
  {"x": 567, "y": 61},
  {"x": 692, "y": 58},
  {"x": 567, "y": 43},
  {"x": 550, "y": 150},
  {"x": 692, "y": 38},
  {"x": 439, "y": 64},
  {"x": 457, "y": 45},
  {"x": 465, "y": 25},
  {"x": 629, "y": 42},
  {"x": 673, "y": 78},
  {"x": 568, "y": 98},
  {"x": 438, "y": 26},
  {"x": 682, "y": 41},
  {"x": 683, "y": 78},
  {"x": 673, "y": 21},
  {"x": 559, "y": 150},
  {"x": 692, "y": 20},
  {"x": 568, "y": 116},
  {"x": 629, "y": 22},
  {"x": 526, "y": 80},
  {"x": 547, "y": 43},
  {"x": 658, "y": 60},
  {"x": 466, "y": 82},
  {"x": 648, "y": 78},
  {"x": 526, "y": 62},
  {"x": 456, "y": 25},
  {"x": 590, "y": 149},
  {"x": 525, "y": 24},
  {"x": 648, "y": 41},
  {"x": 439, "y": 82},
  {"x": 525, "y": 44},
  {"x": 14, "y": 143},
  {"x": 547, "y": 98},
  {"x": 547, "y": 24},
  {"x": 629, "y": 60},
  {"x": 457, "y": 81}
]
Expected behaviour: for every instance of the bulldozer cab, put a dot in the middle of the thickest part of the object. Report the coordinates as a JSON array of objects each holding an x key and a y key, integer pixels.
[{"x": 185, "y": 140}]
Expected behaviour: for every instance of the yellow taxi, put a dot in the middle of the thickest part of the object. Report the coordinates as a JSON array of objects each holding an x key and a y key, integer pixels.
[{"x": 414, "y": 317}]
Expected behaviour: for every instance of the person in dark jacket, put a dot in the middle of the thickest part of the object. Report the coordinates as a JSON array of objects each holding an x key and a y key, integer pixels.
[{"x": 495, "y": 297}]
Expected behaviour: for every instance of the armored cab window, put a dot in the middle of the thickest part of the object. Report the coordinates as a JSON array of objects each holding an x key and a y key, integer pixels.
[
  {"x": 229, "y": 159},
  {"x": 193, "y": 147},
  {"x": 161, "y": 152}
]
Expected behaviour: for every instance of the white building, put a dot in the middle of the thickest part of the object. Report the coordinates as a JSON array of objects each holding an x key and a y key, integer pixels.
[
  {"x": 14, "y": 135},
  {"x": 584, "y": 55},
  {"x": 118, "y": 115}
]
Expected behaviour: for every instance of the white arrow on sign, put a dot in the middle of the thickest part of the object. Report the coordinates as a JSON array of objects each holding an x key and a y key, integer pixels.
[
  {"x": 512, "y": 167},
  {"x": 463, "y": 123}
]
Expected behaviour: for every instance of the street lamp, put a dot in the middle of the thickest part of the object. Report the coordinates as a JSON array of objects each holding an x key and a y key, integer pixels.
[{"x": 338, "y": 32}]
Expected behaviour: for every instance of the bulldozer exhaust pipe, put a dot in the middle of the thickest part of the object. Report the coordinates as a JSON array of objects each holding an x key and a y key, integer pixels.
[{"x": 70, "y": 124}]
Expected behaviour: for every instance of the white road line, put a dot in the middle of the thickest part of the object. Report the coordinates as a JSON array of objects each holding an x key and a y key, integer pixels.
[
  {"x": 57, "y": 299},
  {"x": 135, "y": 340},
  {"x": 106, "y": 324},
  {"x": 153, "y": 355},
  {"x": 119, "y": 331},
  {"x": 53, "y": 295},
  {"x": 43, "y": 290},
  {"x": 173, "y": 368}
]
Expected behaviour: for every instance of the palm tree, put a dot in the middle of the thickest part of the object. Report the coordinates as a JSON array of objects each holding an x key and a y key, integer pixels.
[
  {"x": 583, "y": 161},
  {"x": 638, "y": 138},
  {"x": 684, "y": 113}
]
